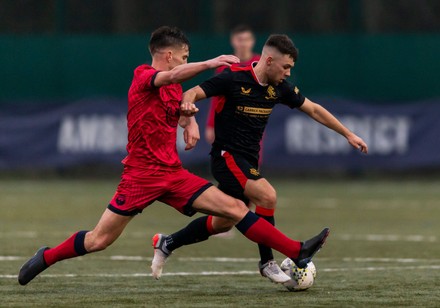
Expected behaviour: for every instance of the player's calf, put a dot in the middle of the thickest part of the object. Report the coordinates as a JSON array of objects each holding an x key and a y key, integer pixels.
[{"x": 220, "y": 225}]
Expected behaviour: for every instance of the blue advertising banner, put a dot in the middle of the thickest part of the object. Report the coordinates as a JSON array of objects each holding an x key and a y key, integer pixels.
[
  {"x": 399, "y": 137},
  {"x": 94, "y": 131}
]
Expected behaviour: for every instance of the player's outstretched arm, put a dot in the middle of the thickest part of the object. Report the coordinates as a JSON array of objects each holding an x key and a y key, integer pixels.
[
  {"x": 187, "y": 107},
  {"x": 187, "y": 71},
  {"x": 323, "y": 116}
]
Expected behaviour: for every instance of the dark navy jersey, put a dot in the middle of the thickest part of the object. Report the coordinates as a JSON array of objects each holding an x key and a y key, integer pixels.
[{"x": 244, "y": 108}]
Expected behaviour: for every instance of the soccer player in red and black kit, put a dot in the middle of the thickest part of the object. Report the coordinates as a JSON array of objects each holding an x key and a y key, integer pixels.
[
  {"x": 248, "y": 96},
  {"x": 153, "y": 171}
]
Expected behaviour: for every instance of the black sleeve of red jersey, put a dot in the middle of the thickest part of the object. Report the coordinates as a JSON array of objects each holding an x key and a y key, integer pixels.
[
  {"x": 218, "y": 85},
  {"x": 291, "y": 95},
  {"x": 153, "y": 78}
]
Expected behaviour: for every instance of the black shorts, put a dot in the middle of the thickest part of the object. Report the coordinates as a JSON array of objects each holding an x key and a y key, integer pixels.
[{"x": 232, "y": 173}]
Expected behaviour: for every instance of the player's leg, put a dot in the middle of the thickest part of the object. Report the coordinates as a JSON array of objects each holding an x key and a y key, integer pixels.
[
  {"x": 131, "y": 197},
  {"x": 268, "y": 268},
  {"x": 233, "y": 175},
  {"x": 257, "y": 229},
  {"x": 201, "y": 228},
  {"x": 214, "y": 202},
  {"x": 198, "y": 230},
  {"x": 239, "y": 177},
  {"x": 108, "y": 229},
  {"x": 263, "y": 195}
]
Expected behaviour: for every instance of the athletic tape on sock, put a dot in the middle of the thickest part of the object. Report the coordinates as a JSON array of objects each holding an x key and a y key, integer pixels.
[
  {"x": 79, "y": 243},
  {"x": 248, "y": 220}
]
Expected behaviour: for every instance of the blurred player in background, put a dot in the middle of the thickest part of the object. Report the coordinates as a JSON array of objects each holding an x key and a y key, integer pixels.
[
  {"x": 248, "y": 96},
  {"x": 242, "y": 42},
  {"x": 153, "y": 170}
]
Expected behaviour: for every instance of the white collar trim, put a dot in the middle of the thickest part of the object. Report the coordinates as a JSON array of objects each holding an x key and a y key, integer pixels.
[{"x": 256, "y": 77}]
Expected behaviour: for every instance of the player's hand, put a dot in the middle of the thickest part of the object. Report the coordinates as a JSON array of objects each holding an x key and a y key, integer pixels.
[
  {"x": 188, "y": 109},
  {"x": 191, "y": 135},
  {"x": 223, "y": 60},
  {"x": 357, "y": 142}
]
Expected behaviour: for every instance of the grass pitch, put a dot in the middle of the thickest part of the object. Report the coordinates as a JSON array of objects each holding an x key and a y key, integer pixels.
[{"x": 383, "y": 249}]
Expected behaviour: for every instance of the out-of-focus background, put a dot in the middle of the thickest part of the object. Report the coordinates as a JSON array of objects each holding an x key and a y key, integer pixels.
[{"x": 66, "y": 66}]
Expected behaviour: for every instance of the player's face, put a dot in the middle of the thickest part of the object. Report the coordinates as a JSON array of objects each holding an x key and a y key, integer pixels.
[
  {"x": 178, "y": 56},
  {"x": 278, "y": 68},
  {"x": 243, "y": 43}
]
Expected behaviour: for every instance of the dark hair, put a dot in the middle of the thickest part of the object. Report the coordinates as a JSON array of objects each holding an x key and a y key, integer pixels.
[
  {"x": 167, "y": 37},
  {"x": 240, "y": 29},
  {"x": 283, "y": 44}
]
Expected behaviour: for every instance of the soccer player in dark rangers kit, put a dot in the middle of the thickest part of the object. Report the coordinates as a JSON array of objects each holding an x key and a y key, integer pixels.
[
  {"x": 152, "y": 168},
  {"x": 248, "y": 96}
]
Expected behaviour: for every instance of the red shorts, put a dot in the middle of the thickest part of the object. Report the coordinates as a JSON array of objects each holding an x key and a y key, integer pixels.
[{"x": 178, "y": 189}]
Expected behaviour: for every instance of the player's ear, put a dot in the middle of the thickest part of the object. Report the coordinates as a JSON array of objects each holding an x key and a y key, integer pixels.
[
  {"x": 269, "y": 60},
  {"x": 169, "y": 56}
]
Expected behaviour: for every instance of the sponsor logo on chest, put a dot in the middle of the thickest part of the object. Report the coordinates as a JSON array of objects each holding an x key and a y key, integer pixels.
[{"x": 254, "y": 110}]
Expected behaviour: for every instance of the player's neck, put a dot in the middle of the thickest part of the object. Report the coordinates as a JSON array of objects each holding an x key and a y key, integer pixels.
[
  {"x": 160, "y": 65},
  {"x": 245, "y": 56},
  {"x": 259, "y": 73}
]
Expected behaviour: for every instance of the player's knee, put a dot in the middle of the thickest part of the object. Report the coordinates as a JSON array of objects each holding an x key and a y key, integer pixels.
[
  {"x": 236, "y": 211},
  {"x": 269, "y": 199}
]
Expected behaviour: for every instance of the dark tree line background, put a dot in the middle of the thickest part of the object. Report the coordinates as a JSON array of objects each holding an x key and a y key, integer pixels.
[{"x": 218, "y": 16}]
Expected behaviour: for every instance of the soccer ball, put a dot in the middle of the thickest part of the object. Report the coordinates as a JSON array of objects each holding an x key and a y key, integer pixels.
[{"x": 302, "y": 278}]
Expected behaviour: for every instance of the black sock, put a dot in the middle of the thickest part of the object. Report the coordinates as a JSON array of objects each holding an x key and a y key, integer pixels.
[
  {"x": 196, "y": 231},
  {"x": 266, "y": 253}
]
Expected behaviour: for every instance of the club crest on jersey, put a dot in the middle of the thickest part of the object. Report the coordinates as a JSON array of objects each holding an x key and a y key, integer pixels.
[
  {"x": 271, "y": 94},
  {"x": 296, "y": 90},
  {"x": 246, "y": 92},
  {"x": 254, "y": 171},
  {"x": 120, "y": 200}
]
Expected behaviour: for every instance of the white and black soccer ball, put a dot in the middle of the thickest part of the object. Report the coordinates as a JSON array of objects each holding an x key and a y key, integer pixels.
[{"x": 302, "y": 278}]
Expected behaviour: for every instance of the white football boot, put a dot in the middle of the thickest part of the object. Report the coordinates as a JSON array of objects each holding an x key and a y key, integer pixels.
[
  {"x": 273, "y": 272},
  {"x": 161, "y": 255}
]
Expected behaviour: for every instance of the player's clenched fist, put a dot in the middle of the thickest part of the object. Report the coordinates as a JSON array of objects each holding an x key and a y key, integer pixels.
[
  {"x": 188, "y": 109},
  {"x": 223, "y": 60}
]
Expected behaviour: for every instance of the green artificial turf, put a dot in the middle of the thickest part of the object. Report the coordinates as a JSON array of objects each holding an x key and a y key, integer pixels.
[{"x": 383, "y": 250}]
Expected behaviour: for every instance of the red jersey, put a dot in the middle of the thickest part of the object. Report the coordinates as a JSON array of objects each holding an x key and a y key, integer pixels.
[
  {"x": 152, "y": 119},
  {"x": 215, "y": 100}
]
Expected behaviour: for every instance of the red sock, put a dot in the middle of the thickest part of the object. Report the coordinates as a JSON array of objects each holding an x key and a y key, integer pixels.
[
  {"x": 261, "y": 211},
  {"x": 260, "y": 231},
  {"x": 209, "y": 226},
  {"x": 70, "y": 248}
]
